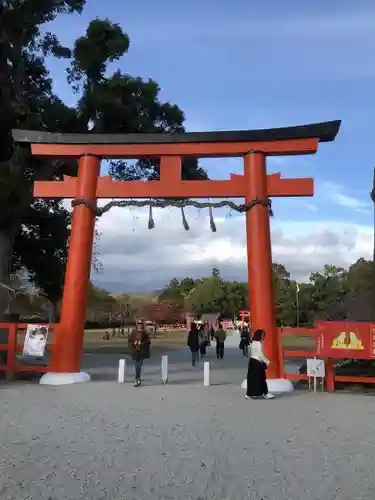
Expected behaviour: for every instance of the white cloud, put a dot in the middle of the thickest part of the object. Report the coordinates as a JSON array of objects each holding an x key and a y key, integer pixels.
[
  {"x": 338, "y": 195},
  {"x": 136, "y": 258},
  {"x": 311, "y": 207},
  {"x": 350, "y": 202}
]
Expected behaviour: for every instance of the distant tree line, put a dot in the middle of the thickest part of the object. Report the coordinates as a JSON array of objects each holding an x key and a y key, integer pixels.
[{"x": 334, "y": 294}]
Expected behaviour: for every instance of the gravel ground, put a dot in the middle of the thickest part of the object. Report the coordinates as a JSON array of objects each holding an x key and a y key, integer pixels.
[
  {"x": 108, "y": 441},
  {"x": 183, "y": 441}
]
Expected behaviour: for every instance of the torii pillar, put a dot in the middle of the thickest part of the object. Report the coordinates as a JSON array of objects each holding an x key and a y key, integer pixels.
[
  {"x": 259, "y": 264},
  {"x": 65, "y": 366}
]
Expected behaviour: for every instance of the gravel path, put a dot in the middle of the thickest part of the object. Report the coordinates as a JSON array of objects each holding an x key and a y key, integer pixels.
[
  {"x": 183, "y": 441},
  {"x": 109, "y": 441}
]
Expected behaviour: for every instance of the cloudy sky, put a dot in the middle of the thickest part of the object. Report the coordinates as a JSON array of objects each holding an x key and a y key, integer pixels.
[{"x": 247, "y": 65}]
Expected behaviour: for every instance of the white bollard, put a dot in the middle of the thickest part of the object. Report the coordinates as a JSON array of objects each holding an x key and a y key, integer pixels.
[
  {"x": 206, "y": 374},
  {"x": 164, "y": 369},
  {"x": 121, "y": 371}
]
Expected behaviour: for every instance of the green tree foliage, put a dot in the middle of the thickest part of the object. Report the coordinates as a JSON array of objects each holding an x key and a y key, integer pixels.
[
  {"x": 41, "y": 248},
  {"x": 285, "y": 294},
  {"x": 178, "y": 291},
  {"x": 334, "y": 294},
  {"x": 348, "y": 298},
  {"x": 208, "y": 295},
  {"x": 26, "y": 101},
  {"x": 106, "y": 103},
  {"x": 329, "y": 289}
]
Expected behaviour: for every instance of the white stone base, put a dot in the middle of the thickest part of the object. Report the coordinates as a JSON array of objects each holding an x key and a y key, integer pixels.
[
  {"x": 275, "y": 385},
  {"x": 64, "y": 378}
]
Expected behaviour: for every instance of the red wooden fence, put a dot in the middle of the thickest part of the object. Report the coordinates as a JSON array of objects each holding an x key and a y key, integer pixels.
[
  {"x": 327, "y": 347},
  {"x": 11, "y": 366}
]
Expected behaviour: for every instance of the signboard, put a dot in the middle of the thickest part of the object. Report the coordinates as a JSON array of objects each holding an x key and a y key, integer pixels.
[
  {"x": 346, "y": 340},
  {"x": 35, "y": 340},
  {"x": 315, "y": 368}
]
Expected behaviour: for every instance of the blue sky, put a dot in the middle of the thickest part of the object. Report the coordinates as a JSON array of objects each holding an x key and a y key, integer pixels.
[{"x": 257, "y": 64}]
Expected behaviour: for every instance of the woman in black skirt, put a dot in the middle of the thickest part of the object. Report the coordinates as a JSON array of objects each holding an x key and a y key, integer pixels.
[{"x": 256, "y": 372}]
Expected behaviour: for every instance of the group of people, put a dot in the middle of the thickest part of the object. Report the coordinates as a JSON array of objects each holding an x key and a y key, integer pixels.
[
  {"x": 139, "y": 343},
  {"x": 200, "y": 338}
]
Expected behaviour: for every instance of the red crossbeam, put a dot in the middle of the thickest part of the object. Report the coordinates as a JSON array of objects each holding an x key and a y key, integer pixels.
[
  {"x": 165, "y": 188},
  {"x": 202, "y": 149}
]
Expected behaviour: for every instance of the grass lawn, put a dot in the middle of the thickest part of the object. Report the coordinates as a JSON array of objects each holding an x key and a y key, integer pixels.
[
  {"x": 174, "y": 339},
  {"x": 165, "y": 341},
  {"x": 296, "y": 342}
]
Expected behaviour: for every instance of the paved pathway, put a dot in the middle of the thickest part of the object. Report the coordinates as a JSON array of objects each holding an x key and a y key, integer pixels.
[{"x": 228, "y": 371}]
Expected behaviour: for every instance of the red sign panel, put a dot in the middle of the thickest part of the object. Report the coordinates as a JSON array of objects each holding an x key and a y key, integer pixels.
[
  {"x": 372, "y": 340},
  {"x": 345, "y": 339}
]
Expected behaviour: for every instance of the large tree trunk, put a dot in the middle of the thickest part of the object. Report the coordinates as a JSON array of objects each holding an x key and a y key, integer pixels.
[{"x": 6, "y": 250}]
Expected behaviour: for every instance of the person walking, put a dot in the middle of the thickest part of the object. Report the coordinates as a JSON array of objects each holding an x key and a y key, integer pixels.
[
  {"x": 245, "y": 341},
  {"x": 203, "y": 340},
  {"x": 212, "y": 333},
  {"x": 208, "y": 333},
  {"x": 220, "y": 341},
  {"x": 193, "y": 343},
  {"x": 139, "y": 347},
  {"x": 256, "y": 372}
]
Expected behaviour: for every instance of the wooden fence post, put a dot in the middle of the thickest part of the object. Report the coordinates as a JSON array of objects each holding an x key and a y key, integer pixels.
[
  {"x": 330, "y": 375},
  {"x": 12, "y": 351}
]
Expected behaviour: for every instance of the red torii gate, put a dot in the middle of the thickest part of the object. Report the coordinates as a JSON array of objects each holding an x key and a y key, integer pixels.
[{"x": 255, "y": 185}]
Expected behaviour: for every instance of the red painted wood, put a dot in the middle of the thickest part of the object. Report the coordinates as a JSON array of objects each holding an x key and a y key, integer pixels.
[
  {"x": 68, "y": 338},
  {"x": 170, "y": 186},
  {"x": 259, "y": 260},
  {"x": 347, "y": 331},
  {"x": 205, "y": 149}
]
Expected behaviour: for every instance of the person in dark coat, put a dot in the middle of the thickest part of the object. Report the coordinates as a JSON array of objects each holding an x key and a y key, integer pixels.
[
  {"x": 193, "y": 343},
  {"x": 139, "y": 347},
  {"x": 203, "y": 340},
  {"x": 245, "y": 341},
  {"x": 212, "y": 333},
  {"x": 221, "y": 336},
  {"x": 257, "y": 368}
]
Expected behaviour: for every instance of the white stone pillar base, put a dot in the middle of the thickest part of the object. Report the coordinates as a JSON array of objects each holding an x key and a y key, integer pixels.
[
  {"x": 275, "y": 385},
  {"x": 64, "y": 378}
]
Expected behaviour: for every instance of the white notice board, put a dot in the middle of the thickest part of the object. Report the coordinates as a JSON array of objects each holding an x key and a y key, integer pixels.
[
  {"x": 35, "y": 340},
  {"x": 315, "y": 368}
]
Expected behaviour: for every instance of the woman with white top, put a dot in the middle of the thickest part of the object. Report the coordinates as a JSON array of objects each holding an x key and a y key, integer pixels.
[{"x": 256, "y": 372}]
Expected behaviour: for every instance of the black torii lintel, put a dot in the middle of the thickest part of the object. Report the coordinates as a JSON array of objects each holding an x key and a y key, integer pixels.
[{"x": 325, "y": 132}]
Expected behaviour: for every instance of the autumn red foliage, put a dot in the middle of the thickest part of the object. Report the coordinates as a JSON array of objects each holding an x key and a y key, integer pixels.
[{"x": 165, "y": 312}]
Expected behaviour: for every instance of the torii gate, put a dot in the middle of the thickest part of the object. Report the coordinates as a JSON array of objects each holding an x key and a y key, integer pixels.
[{"x": 255, "y": 186}]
